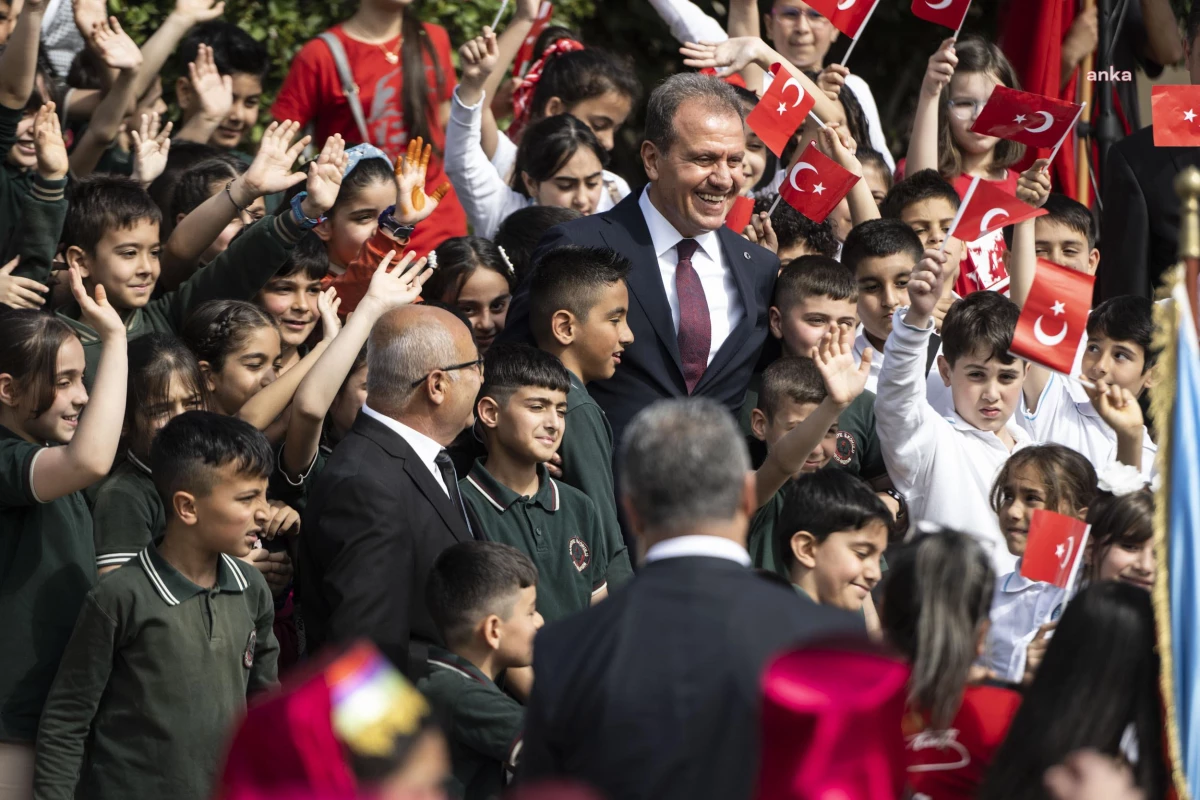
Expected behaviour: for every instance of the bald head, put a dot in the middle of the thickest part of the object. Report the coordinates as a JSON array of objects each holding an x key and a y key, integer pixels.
[{"x": 407, "y": 344}]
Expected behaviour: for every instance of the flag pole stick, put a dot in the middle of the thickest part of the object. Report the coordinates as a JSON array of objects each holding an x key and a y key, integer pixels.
[
  {"x": 861, "y": 28},
  {"x": 499, "y": 14},
  {"x": 1066, "y": 135},
  {"x": 962, "y": 207},
  {"x": 817, "y": 119},
  {"x": 775, "y": 205},
  {"x": 961, "y": 22}
]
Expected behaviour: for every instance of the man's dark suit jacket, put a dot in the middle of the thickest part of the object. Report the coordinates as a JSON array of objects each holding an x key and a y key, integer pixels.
[
  {"x": 1139, "y": 230},
  {"x": 651, "y": 368},
  {"x": 374, "y": 524},
  {"x": 654, "y": 693}
]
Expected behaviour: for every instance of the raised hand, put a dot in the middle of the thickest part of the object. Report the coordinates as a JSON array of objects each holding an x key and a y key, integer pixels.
[
  {"x": 832, "y": 79},
  {"x": 195, "y": 12},
  {"x": 272, "y": 168},
  {"x": 52, "y": 162},
  {"x": 325, "y": 177},
  {"x": 844, "y": 376},
  {"x": 1117, "y": 407},
  {"x": 87, "y": 13},
  {"x": 412, "y": 204},
  {"x": 328, "y": 304},
  {"x": 1081, "y": 39},
  {"x": 837, "y": 143},
  {"x": 114, "y": 46},
  {"x": 399, "y": 286},
  {"x": 18, "y": 292},
  {"x": 761, "y": 232},
  {"x": 925, "y": 284},
  {"x": 477, "y": 60},
  {"x": 97, "y": 313},
  {"x": 940, "y": 69},
  {"x": 1033, "y": 186},
  {"x": 728, "y": 57},
  {"x": 151, "y": 146},
  {"x": 213, "y": 90}
]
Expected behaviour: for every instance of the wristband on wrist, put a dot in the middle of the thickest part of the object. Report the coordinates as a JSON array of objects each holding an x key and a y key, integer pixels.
[
  {"x": 305, "y": 222},
  {"x": 393, "y": 227},
  {"x": 229, "y": 194}
]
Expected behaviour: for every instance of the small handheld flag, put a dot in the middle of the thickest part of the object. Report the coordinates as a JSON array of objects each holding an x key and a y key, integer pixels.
[
  {"x": 1054, "y": 548},
  {"x": 985, "y": 209},
  {"x": 778, "y": 115},
  {"x": 947, "y": 13},
  {"x": 1054, "y": 317},
  {"x": 1176, "y": 113},
  {"x": 1031, "y": 119},
  {"x": 739, "y": 215},
  {"x": 526, "y": 56},
  {"x": 848, "y": 16},
  {"x": 816, "y": 196}
]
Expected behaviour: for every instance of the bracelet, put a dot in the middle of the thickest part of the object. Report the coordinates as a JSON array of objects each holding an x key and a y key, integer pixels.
[
  {"x": 902, "y": 511},
  {"x": 229, "y": 194}
]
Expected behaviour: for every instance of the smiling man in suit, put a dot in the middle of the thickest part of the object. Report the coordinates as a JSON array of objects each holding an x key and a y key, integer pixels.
[
  {"x": 387, "y": 503},
  {"x": 699, "y": 292}
]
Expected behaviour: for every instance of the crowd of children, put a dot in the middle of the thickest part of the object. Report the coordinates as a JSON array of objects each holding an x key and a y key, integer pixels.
[{"x": 185, "y": 310}]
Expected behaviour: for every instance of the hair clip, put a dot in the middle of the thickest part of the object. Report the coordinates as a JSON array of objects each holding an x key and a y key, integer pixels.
[
  {"x": 507, "y": 262},
  {"x": 1120, "y": 479},
  {"x": 431, "y": 259}
]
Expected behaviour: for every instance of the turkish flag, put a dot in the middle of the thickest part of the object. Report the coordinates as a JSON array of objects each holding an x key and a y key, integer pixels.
[
  {"x": 739, "y": 216},
  {"x": 777, "y": 116},
  {"x": 1176, "y": 114},
  {"x": 947, "y": 13},
  {"x": 526, "y": 56},
  {"x": 985, "y": 209},
  {"x": 1054, "y": 548},
  {"x": 1030, "y": 119},
  {"x": 848, "y": 16},
  {"x": 1054, "y": 317},
  {"x": 816, "y": 195}
]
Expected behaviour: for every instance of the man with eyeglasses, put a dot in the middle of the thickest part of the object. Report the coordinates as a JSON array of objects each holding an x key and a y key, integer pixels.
[{"x": 387, "y": 502}]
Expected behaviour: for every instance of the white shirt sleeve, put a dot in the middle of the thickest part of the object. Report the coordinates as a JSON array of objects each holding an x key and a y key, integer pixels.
[
  {"x": 688, "y": 23},
  {"x": 907, "y": 425},
  {"x": 484, "y": 195},
  {"x": 862, "y": 93},
  {"x": 504, "y": 158}
]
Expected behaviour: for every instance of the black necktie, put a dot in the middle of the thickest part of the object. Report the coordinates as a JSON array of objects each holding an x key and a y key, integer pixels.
[{"x": 450, "y": 478}]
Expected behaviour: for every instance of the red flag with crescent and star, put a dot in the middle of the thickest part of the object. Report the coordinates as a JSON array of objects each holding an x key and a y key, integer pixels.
[
  {"x": 1176, "y": 114},
  {"x": 526, "y": 56},
  {"x": 817, "y": 194},
  {"x": 947, "y": 13},
  {"x": 1054, "y": 548},
  {"x": 985, "y": 209},
  {"x": 781, "y": 110},
  {"x": 1054, "y": 317},
  {"x": 848, "y": 16},
  {"x": 1031, "y": 119}
]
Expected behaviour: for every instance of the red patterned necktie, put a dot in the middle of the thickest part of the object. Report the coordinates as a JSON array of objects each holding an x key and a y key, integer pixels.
[{"x": 695, "y": 327}]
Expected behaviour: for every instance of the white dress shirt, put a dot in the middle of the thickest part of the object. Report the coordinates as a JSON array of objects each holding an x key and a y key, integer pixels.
[
  {"x": 720, "y": 291},
  {"x": 706, "y": 546},
  {"x": 427, "y": 449}
]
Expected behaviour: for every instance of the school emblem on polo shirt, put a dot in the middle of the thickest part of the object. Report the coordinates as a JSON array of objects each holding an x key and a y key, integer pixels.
[
  {"x": 845, "y": 448},
  {"x": 248, "y": 656},
  {"x": 581, "y": 556}
]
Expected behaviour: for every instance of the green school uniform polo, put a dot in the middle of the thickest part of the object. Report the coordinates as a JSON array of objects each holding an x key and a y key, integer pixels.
[
  {"x": 15, "y": 183},
  {"x": 154, "y": 676},
  {"x": 485, "y": 724},
  {"x": 238, "y": 273},
  {"x": 36, "y": 242},
  {"x": 558, "y": 528},
  {"x": 587, "y": 456},
  {"x": 47, "y": 567},
  {"x": 761, "y": 540},
  {"x": 127, "y": 513}
]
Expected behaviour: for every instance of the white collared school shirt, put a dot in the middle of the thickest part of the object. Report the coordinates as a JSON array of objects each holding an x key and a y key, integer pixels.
[{"x": 1019, "y": 607}]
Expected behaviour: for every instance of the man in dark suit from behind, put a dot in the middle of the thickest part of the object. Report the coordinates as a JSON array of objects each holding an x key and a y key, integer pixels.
[
  {"x": 1139, "y": 229},
  {"x": 654, "y": 693},
  {"x": 387, "y": 503}
]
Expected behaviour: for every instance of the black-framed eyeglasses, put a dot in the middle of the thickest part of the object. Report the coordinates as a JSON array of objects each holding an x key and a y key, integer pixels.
[{"x": 465, "y": 365}]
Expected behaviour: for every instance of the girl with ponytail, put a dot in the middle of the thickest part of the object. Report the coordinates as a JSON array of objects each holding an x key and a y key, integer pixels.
[
  {"x": 936, "y": 600},
  {"x": 402, "y": 78}
]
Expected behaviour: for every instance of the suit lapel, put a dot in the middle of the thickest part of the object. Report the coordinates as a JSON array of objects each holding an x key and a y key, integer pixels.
[
  {"x": 629, "y": 234},
  {"x": 737, "y": 261}
]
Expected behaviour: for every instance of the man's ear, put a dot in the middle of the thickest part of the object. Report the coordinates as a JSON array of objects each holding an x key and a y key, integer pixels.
[
  {"x": 562, "y": 327},
  {"x": 758, "y": 424},
  {"x": 804, "y": 548},
  {"x": 943, "y": 368},
  {"x": 206, "y": 370},
  {"x": 650, "y": 160},
  {"x": 554, "y": 107},
  {"x": 184, "y": 506},
  {"x": 324, "y": 230},
  {"x": 775, "y": 321},
  {"x": 488, "y": 412},
  {"x": 75, "y": 257},
  {"x": 1093, "y": 261}
]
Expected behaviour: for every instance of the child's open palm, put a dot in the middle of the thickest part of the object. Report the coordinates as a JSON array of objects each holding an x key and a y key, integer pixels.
[
  {"x": 325, "y": 174},
  {"x": 271, "y": 171},
  {"x": 97, "y": 313},
  {"x": 87, "y": 13},
  {"x": 52, "y": 161},
  {"x": 413, "y": 205},
  {"x": 198, "y": 11},
  {"x": 478, "y": 59},
  {"x": 328, "y": 304},
  {"x": 213, "y": 90},
  {"x": 399, "y": 286},
  {"x": 114, "y": 46},
  {"x": 151, "y": 146},
  {"x": 730, "y": 56},
  {"x": 940, "y": 69},
  {"x": 844, "y": 377}
]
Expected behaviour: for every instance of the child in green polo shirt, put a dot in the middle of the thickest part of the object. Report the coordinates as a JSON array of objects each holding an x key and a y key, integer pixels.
[
  {"x": 832, "y": 532},
  {"x": 483, "y": 598},
  {"x": 521, "y": 409},
  {"x": 47, "y": 562},
  {"x": 111, "y": 237},
  {"x": 578, "y": 301},
  {"x": 168, "y": 647}
]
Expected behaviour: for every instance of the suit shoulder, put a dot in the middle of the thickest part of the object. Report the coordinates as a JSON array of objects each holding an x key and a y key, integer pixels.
[{"x": 760, "y": 257}]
